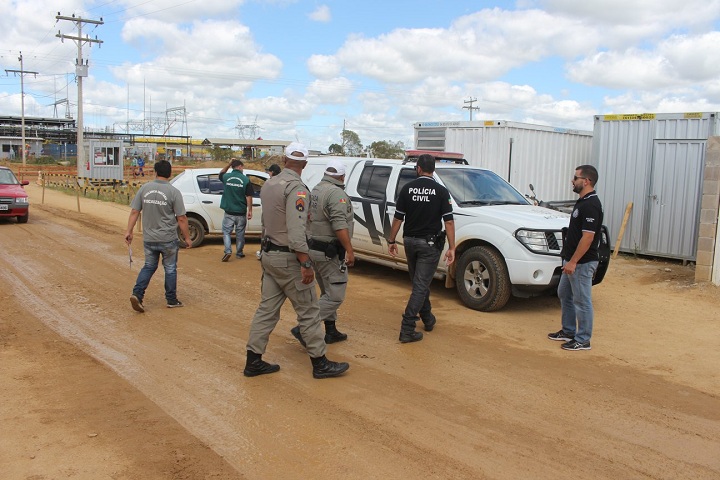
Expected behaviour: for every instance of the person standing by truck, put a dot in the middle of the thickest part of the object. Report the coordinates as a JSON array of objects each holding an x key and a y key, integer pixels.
[
  {"x": 424, "y": 205},
  {"x": 330, "y": 229},
  {"x": 287, "y": 270},
  {"x": 580, "y": 260},
  {"x": 236, "y": 201}
]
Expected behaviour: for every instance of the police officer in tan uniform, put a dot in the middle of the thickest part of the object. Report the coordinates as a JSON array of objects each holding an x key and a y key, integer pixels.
[
  {"x": 330, "y": 229},
  {"x": 287, "y": 270}
]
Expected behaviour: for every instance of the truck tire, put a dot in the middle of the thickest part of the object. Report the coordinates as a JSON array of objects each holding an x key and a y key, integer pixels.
[
  {"x": 482, "y": 279},
  {"x": 197, "y": 232},
  {"x": 23, "y": 218}
]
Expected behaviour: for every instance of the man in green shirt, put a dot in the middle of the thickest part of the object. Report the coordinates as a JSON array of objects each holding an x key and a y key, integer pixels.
[{"x": 236, "y": 201}]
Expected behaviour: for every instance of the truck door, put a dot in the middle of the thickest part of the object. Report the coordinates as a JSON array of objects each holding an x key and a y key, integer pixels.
[{"x": 369, "y": 197}]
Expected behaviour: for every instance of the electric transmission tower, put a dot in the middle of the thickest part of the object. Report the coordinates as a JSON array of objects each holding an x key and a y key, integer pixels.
[{"x": 247, "y": 131}]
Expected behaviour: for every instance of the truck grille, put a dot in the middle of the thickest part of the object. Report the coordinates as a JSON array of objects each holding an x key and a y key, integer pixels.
[{"x": 554, "y": 240}]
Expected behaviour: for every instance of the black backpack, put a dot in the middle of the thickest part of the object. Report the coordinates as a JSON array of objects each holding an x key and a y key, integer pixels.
[{"x": 604, "y": 253}]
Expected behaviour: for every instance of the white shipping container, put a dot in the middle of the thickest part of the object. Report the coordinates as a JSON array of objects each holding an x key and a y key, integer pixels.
[
  {"x": 521, "y": 153},
  {"x": 655, "y": 161}
]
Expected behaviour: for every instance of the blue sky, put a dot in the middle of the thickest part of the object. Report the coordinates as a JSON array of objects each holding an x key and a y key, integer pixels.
[{"x": 300, "y": 69}]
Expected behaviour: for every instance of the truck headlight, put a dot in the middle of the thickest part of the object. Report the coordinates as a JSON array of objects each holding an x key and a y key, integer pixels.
[
  {"x": 540, "y": 241},
  {"x": 21, "y": 200}
]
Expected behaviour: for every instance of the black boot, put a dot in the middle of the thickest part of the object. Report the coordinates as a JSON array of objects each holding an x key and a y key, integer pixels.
[
  {"x": 257, "y": 366},
  {"x": 429, "y": 321},
  {"x": 324, "y": 368},
  {"x": 296, "y": 333},
  {"x": 410, "y": 336},
  {"x": 332, "y": 335}
]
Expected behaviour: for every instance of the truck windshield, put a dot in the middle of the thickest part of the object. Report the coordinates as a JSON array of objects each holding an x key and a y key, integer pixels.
[{"x": 470, "y": 187}]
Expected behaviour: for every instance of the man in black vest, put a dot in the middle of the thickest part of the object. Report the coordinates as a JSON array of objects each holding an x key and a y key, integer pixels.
[{"x": 424, "y": 205}]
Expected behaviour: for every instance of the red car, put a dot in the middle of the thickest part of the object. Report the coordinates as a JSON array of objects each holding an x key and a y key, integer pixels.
[{"x": 13, "y": 197}]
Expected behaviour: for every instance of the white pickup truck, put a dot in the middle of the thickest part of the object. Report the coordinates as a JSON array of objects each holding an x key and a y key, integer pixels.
[{"x": 504, "y": 244}]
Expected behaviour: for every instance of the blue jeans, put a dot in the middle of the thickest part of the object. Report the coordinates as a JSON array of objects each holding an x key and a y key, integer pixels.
[
  {"x": 575, "y": 293},
  {"x": 237, "y": 224},
  {"x": 422, "y": 260},
  {"x": 153, "y": 250}
]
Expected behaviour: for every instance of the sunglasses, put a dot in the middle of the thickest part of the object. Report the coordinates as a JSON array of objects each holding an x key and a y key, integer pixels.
[{"x": 576, "y": 178}]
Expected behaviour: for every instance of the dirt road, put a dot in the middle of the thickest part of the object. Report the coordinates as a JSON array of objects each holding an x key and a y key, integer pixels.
[{"x": 91, "y": 389}]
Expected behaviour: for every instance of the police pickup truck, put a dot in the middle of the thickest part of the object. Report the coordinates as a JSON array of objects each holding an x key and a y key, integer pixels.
[{"x": 505, "y": 245}]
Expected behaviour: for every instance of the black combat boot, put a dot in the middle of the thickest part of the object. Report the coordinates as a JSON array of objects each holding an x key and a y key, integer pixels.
[
  {"x": 410, "y": 336},
  {"x": 324, "y": 368},
  {"x": 296, "y": 333},
  {"x": 332, "y": 335},
  {"x": 257, "y": 366},
  {"x": 429, "y": 321}
]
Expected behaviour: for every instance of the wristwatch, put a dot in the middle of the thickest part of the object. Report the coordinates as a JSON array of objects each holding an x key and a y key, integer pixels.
[{"x": 306, "y": 264}]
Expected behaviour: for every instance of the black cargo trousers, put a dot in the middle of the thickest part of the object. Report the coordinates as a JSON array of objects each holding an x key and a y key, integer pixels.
[{"x": 422, "y": 261}]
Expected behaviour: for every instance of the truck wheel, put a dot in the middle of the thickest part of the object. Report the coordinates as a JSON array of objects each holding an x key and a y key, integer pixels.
[
  {"x": 197, "y": 232},
  {"x": 482, "y": 279},
  {"x": 23, "y": 218}
]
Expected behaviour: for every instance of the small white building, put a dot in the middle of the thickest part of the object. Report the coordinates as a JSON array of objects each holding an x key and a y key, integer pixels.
[
  {"x": 521, "y": 153},
  {"x": 103, "y": 160}
]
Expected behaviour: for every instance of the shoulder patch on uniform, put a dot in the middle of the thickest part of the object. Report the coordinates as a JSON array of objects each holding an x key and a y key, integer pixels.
[
  {"x": 300, "y": 205},
  {"x": 302, "y": 193},
  {"x": 342, "y": 200}
]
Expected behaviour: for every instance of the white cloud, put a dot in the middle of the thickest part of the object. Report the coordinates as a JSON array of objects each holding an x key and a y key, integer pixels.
[
  {"x": 680, "y": 60},
  {"x": 694, "y": 58},
  {"x": 476, "y": 47},
  {"x": 660, "y": 15},
  {"x": 321, "y": 14},
  {"x": 217, "y": 55},
  {"x": 334, "y": 91},
  {"x": 323, "y": 66},
  {"x": 169, "y": 11},
  {"x": 633, "y": 68}
]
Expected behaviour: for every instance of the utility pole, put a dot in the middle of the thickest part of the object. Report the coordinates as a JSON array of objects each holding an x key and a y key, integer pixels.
[
  {"x": 471, "y": 108},
  {"x": 22, "y": 73},
  {"x": 81, "y": 70}
]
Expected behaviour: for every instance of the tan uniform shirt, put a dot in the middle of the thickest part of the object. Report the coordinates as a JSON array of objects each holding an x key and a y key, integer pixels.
[
  {"x": 330, "y": 210},
  {"x": 285, "y": 202}
]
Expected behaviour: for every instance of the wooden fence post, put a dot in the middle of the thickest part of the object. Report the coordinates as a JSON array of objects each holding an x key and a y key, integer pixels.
[{"x": 622, "y": 228}]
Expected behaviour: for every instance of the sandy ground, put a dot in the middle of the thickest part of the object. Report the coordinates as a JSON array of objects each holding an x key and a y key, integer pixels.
[{"x": 90, "y": 389}]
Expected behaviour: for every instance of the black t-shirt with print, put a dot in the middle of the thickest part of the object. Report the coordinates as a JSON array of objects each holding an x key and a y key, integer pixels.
[
  {"x": 587, "y": 216},
  {"x": 424, "y": 204}
]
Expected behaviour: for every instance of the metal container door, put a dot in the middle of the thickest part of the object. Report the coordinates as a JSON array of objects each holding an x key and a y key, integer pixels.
[{"x": 673, "y": 206}]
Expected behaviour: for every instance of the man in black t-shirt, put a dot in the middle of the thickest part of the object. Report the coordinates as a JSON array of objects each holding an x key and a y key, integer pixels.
[
  {"x": 580, "y": 260},
  {"x": 424, "y": 205}
]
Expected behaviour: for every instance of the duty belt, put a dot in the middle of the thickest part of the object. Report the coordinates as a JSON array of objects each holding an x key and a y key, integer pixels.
[
  {"x": 271, "y": 247},
  {"x": 318, "y": 245}
]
